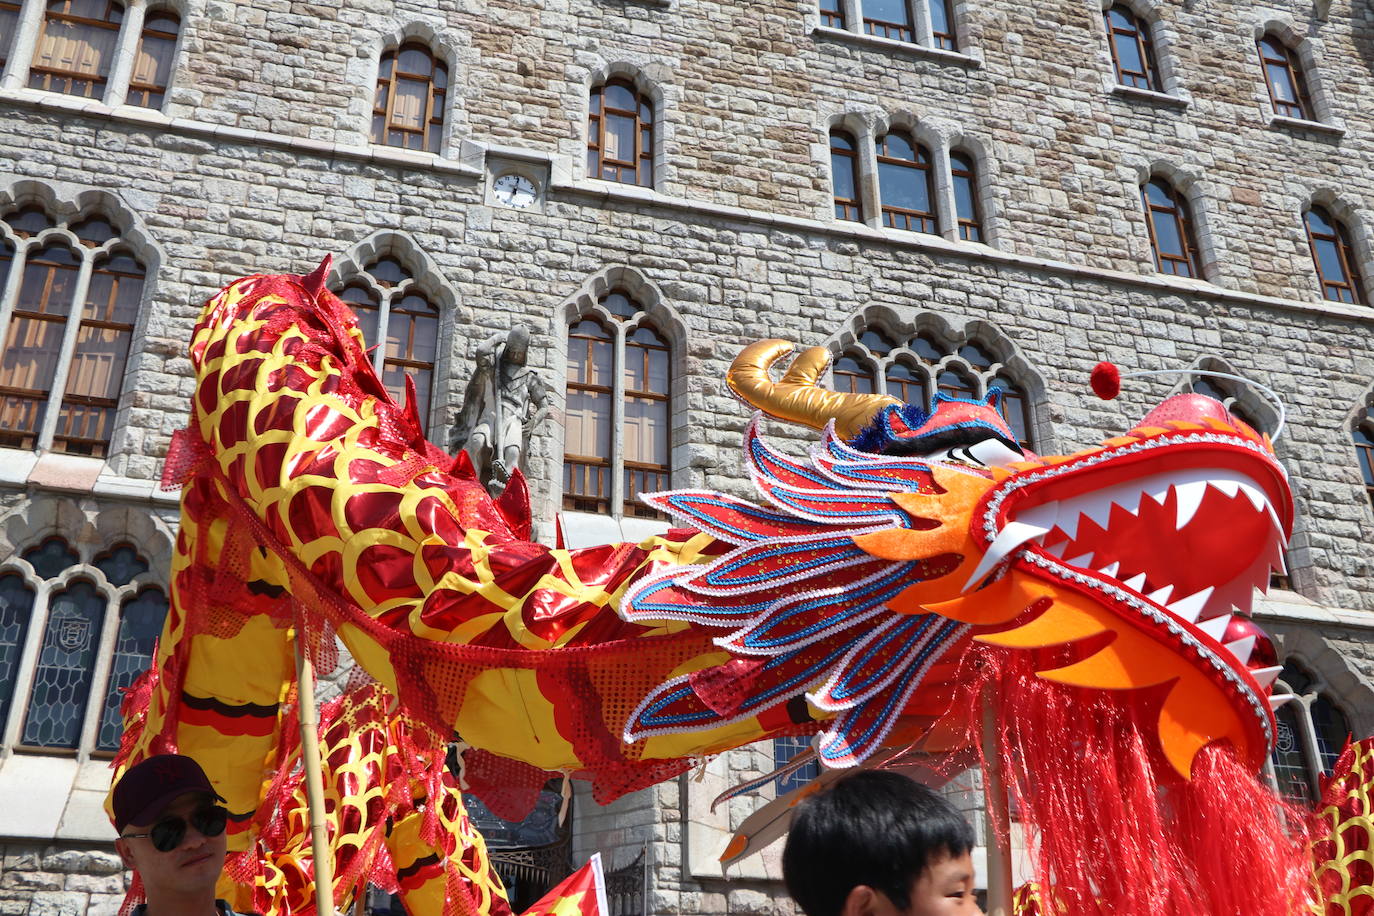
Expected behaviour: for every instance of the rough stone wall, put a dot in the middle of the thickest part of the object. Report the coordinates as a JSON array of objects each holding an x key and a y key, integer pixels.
[{"x": 49, "y": 880}]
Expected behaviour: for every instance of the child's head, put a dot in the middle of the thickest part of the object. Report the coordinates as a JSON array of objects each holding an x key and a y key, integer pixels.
[{"x": 879, "y": 844}]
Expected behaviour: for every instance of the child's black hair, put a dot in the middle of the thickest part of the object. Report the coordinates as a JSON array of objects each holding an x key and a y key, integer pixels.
[{"x": 874, "y": 828}]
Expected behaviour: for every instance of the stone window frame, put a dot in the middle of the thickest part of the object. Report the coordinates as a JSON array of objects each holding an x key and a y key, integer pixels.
[
  {"x": 1006, "y": 359},
  {"x": 158, "y": 9},
  {"x": 367, "y": 69},
  {"x": 88, "y": 538},
  {"x": 1361, "y": 421},
  {"x": 129, "y": 238},
  {"x": 1314, "y": 756},
  {"x": 923, "y": 33},
  {"x": 1165, "y": 40},
  {"x": 660, "y": 314},
  {"x": 16, "y": 72},
  {"x": 1361, "y": 261},
  {"x": 1188, "y": 183},
  {"x": 1310, "y": 53},
  {"x": 941, "y": 138},
  {"x": 648, "y": 80},
  {"x": 426, "y": 279}
]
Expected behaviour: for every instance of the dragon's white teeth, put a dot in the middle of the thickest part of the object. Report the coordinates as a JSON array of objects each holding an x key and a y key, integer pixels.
[
  {"x": 1082, "y": 562},
  {"x": 1135, "y": 583},
  {"x": 1040, "y": 516},
  {"x": 1161, "y": 597},
  {"x": 1216, "y": 627},
  {"x": 1227, "y": 485},
  {"x": 1189, "y": 498},
  {"x": 1068, "y": 522},
  {"x": 1189, "y": 608},
  {"x": 1255, "y": 495},
  {"x": 1241, "y": 648},
  {"x": 1112, "y": 569},
  {"x": 1097, "y": 507},
  {"x": 1266, "y": 676},
  {"x": 1057, "y": 550},
  {"x": 1008, "y": 539},
  {"x": 1277, "y": 700}
]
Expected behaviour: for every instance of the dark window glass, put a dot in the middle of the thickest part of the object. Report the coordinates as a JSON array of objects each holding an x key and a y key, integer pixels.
[
  {"x": 942, "y": 25},
  {"x": 121, "y": 564},
  {"x": 905, "y": 183},
  {"x": 1283, "y": 76},
  {"x": 62, "y": 680},
  {"x": 888, "y": 19},
  {"x": 876, "y": 341},
  {"x": 620, "y": 134},
  {"x": 1015, "y": 409},
  {"x": 28, "y": 221},
  {"x": 1334, "y": 257},
  {"x": 96, "y": 377},
  {"x": 908, "y": 384},
  {"x": 587, "y": 422},
  {"x": 152, "y": 72},
  {"x": 367, "y": 306},
  {"x": 975, "y": 356},
  {"x": 851, "y": 375},
  {"x": 412, "y": 339},
  {"x": 1171, "y": 229},
  {"x": 844, "y": 173},
  {"x": 926, "y": 349},
  {"x": 1331, "y": 729},
  {"x": 33, "y": 345},
  {"x": 953, "y": 383},
  {"x": 784, "y": 749},
  {"x": 1364, "y": 453},
  {"x": 646, "y": 418},
  {"x": 16, "y": 607},
  {"x": 408, "y": 110},
  {"x": 965, "y": 179},
  {"x": 832, "y": 14},
  {"x": 9, "y": 25},
  {"x": 1290, "y": 768},
  {"x": 1132, "y": 50},
  {"x": 76, "y": 47},
  {"x": 140, "y": 625},
  {"x": 50, "y": 558}
]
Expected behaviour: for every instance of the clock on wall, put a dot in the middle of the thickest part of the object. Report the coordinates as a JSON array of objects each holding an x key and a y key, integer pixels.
[{"x": 515, "y": 190}]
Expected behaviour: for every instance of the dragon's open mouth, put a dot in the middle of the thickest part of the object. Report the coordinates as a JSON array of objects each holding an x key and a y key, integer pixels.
[{"x": 1195, "y": 540}]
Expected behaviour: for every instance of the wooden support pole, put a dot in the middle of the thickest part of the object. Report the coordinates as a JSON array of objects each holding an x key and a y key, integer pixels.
[
  {"x": 996, "y": 811},
  {"x": 314, "y": 781}
]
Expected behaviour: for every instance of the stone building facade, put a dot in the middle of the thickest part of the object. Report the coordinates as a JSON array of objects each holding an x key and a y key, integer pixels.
[{"x": 258, "y": 153}]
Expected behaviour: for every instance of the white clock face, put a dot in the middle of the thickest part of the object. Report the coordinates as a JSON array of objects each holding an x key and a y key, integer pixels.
[{"x": 514, "y": 190}]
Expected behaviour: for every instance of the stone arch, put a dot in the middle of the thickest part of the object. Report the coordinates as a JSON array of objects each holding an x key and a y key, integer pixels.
[
  {"x": 650, "y": 77},
  {"x": 1188, "y": 180},
  {"x": 1163, "y": 36},
  {"x": 1311, "y": 52},
  {"x": 1332, "y": 671},
  {"x": 426, "y": 276},
  {"x": 363, "y": 71},
  {"x": 1339, "y": 205}
]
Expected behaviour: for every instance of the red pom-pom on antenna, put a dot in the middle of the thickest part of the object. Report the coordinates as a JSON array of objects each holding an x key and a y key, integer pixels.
[{"x": 1106, "y": 380}]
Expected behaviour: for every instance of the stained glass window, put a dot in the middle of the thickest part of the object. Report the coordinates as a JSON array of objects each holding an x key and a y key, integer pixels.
[
  {"x": 1312, "y": 732},
  {"x": 66, "y": 662},
  {"x": 140, "y": 624},
  {"x": 16, "y": 606}
]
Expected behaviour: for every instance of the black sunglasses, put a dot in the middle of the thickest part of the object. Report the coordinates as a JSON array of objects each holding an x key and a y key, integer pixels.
[{"x": 168, "y": 833}]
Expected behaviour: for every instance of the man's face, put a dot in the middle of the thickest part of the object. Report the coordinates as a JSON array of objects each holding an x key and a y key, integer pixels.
[
  {"x": 192, "y": 867},
  {"x": 945, "y": 888}
]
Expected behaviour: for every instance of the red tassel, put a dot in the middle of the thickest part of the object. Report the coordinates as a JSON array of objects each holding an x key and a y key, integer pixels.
[{"x": 1106, "y": 380}]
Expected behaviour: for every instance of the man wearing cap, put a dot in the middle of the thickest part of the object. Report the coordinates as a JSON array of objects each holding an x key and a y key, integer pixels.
[{"x": 171, "y": 833}]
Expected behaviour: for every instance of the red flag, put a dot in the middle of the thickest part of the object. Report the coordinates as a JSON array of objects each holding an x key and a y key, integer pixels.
[{"x": 583, "y": 893}]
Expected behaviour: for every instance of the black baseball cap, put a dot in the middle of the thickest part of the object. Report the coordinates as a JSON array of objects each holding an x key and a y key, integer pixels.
[{"x": 148, "y": 787}]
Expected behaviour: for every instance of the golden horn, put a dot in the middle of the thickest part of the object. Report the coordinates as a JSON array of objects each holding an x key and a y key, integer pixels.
[{"x": 798, "y": 397}]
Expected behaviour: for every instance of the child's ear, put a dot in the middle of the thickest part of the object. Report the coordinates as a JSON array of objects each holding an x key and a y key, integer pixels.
[{"x": 865, "y": 901}]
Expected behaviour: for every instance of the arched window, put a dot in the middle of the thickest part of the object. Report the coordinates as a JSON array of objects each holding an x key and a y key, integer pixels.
[
  {"x": 964, "y": 175},
  {"x": 152, "y": 72},
  {"x": 852, "y": 376},
  {"x": 907, "y": 384},
  {"x": 9, "y": 25},
  {"x": 832, "y": 14},
  {"x": 620, "y": 134},
  {"x": 1133, "y": 52},
  {"x": 876, "y": 341},
  {"x": 844, "y": 175},
  {"x": 1283, "y": 76},
  {"x": 96, "y": 627},
  {"x": 1171, "y": 229},
  {"x": 619, "y": 386},
  {"x": 906, "y": 184},
  {"x": 393, "y": 312},
  {"x": 1312, "y": 730},
  {"x": 60, "y": 389},
  {"x": 1334, "y": 257},
  {"x": 955, "y": 384},
  {"x": 409, "y": 107},
  {"x": 889, "y": 19},
  {"x": 942, "y": 25},
  {"x": 76, "y": 47},
  {"x": 1015, "y": 408},
  {"x": 1363, "y": 434}
]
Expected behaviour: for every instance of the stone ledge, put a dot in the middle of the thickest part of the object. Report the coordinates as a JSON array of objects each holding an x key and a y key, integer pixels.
[
  {"x": 1302, "y": 125},
  {"x": 907, "y": 48},
  {"x": 1161, "y": 99}
]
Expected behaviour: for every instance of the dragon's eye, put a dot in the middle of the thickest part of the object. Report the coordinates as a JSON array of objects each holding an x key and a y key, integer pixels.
[{"x": 984, "y": 453}]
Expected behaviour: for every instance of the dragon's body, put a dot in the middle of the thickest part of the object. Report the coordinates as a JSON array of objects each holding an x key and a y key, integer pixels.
[{"x": 895, "y": 582}]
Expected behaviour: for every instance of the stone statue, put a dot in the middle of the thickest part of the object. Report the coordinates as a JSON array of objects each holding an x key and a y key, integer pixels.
[{"x": 504, "y": 401}]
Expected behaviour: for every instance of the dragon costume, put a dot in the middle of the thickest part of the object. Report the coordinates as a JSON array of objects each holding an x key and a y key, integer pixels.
[{"x": 915, "y": 569}]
